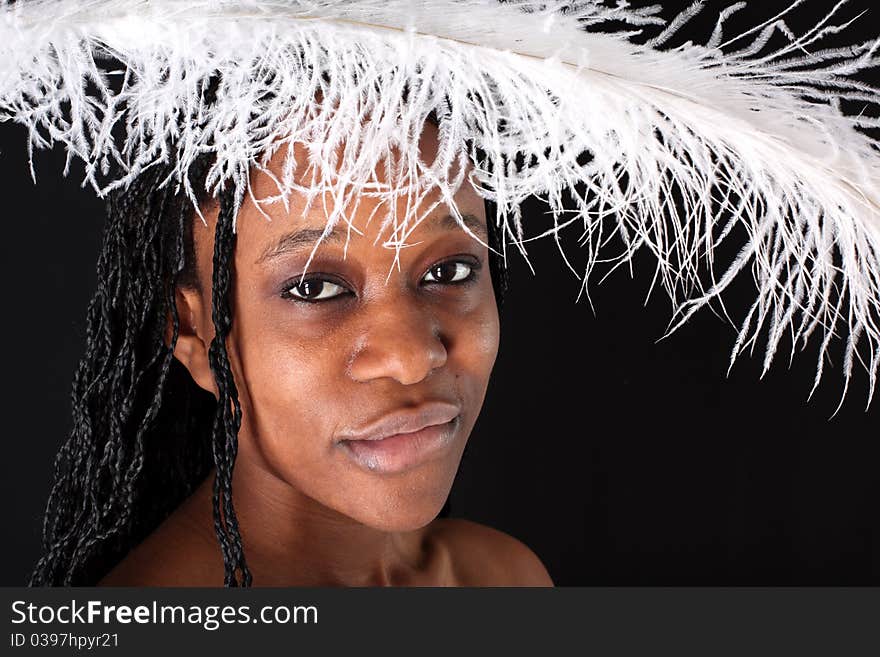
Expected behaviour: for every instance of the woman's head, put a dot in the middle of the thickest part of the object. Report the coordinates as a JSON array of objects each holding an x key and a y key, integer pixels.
[
  {"x": 365, "y": 334},
  {"x": 293, "y": 377}
]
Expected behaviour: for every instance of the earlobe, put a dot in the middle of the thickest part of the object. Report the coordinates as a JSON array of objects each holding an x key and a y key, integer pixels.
[{"x": 192, "y": 346}]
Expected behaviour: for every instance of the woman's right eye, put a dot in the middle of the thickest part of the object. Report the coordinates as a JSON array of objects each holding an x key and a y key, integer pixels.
[{"x": 314, "y": 289}]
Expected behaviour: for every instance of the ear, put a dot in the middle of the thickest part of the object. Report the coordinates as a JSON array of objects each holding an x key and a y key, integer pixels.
[{"x": 192, "y": 342}]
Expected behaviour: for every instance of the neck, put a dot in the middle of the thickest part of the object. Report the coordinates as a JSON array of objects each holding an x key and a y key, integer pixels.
[{"x": 289, "y": 539}]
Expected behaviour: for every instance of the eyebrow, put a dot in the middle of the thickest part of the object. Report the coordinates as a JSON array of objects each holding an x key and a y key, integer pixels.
[{"x": 308, "y": 236}]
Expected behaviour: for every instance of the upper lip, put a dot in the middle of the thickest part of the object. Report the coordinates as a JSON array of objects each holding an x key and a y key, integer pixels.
[{"x": 405, "y": 421}]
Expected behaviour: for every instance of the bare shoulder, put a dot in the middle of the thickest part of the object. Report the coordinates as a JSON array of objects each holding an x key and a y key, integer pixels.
[
  {"x": 173, "y": 555},
  {"x": 483, "y": 556}
]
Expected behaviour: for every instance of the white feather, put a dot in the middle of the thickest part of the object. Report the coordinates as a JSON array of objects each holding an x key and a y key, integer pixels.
[{"x": 727, "y": 126}]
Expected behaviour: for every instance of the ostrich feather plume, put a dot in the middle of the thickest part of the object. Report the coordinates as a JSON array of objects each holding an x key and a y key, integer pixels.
[{"x": 671, "y": 149}]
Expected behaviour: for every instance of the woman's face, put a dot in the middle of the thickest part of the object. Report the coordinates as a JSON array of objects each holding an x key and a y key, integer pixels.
[{"x": 320, "y": 366}]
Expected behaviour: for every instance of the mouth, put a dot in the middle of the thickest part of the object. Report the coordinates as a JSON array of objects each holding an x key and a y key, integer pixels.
[{"x": 402, "y": 451}]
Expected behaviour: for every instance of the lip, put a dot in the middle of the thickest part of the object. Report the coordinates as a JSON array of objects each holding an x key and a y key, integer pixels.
[{"x": 403, "y": 440}]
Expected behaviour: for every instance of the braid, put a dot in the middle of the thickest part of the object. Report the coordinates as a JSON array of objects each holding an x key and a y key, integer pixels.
[{"x": 227, "y": 420}]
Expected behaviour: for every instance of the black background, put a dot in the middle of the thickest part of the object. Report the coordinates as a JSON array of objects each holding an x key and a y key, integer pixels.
[{"x": 618, "y": 459}]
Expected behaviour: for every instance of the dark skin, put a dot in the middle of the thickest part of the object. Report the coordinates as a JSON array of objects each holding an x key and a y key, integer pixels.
[{"x": 373, "y": 339}]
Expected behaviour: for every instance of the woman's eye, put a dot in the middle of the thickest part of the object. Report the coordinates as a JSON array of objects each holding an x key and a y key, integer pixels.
[
  {"x": 315, "y": 289},
  {"x": 454, "y": 271}
]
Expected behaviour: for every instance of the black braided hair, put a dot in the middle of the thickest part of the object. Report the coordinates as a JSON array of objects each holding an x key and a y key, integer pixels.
[
  {"x": 144, "y": 435},
  {"x": 227, "y": 419}
]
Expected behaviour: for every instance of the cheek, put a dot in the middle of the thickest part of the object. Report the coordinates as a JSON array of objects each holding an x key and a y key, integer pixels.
[
  {"x": 477, "y": 344},
  {"x": 473, "y": 347},
  {"x": 477, "y": 333},
  {"x": 290, "y": 383}
]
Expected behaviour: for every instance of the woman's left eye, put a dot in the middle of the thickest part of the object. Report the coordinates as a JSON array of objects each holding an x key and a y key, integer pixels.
[{"x": 454, "y": 271}]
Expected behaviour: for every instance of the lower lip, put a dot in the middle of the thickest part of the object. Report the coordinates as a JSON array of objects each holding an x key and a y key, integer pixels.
[{"x": 401, "y": 451}]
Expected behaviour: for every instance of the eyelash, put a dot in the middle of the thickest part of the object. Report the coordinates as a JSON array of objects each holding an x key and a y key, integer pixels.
[{"x": 473, "y": 265}]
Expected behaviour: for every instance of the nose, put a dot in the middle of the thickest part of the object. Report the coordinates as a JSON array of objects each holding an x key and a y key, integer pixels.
[{"x": 401, "y": 340}]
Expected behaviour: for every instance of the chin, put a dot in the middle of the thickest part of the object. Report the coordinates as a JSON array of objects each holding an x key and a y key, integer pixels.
[
  {"x": 408, "y": 522},
  {"x": 402, "y": 512},
  {"x": 400, "y": 501}
]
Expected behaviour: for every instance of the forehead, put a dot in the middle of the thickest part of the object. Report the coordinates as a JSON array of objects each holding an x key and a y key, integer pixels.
[{"x": 268, "y": 215}]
